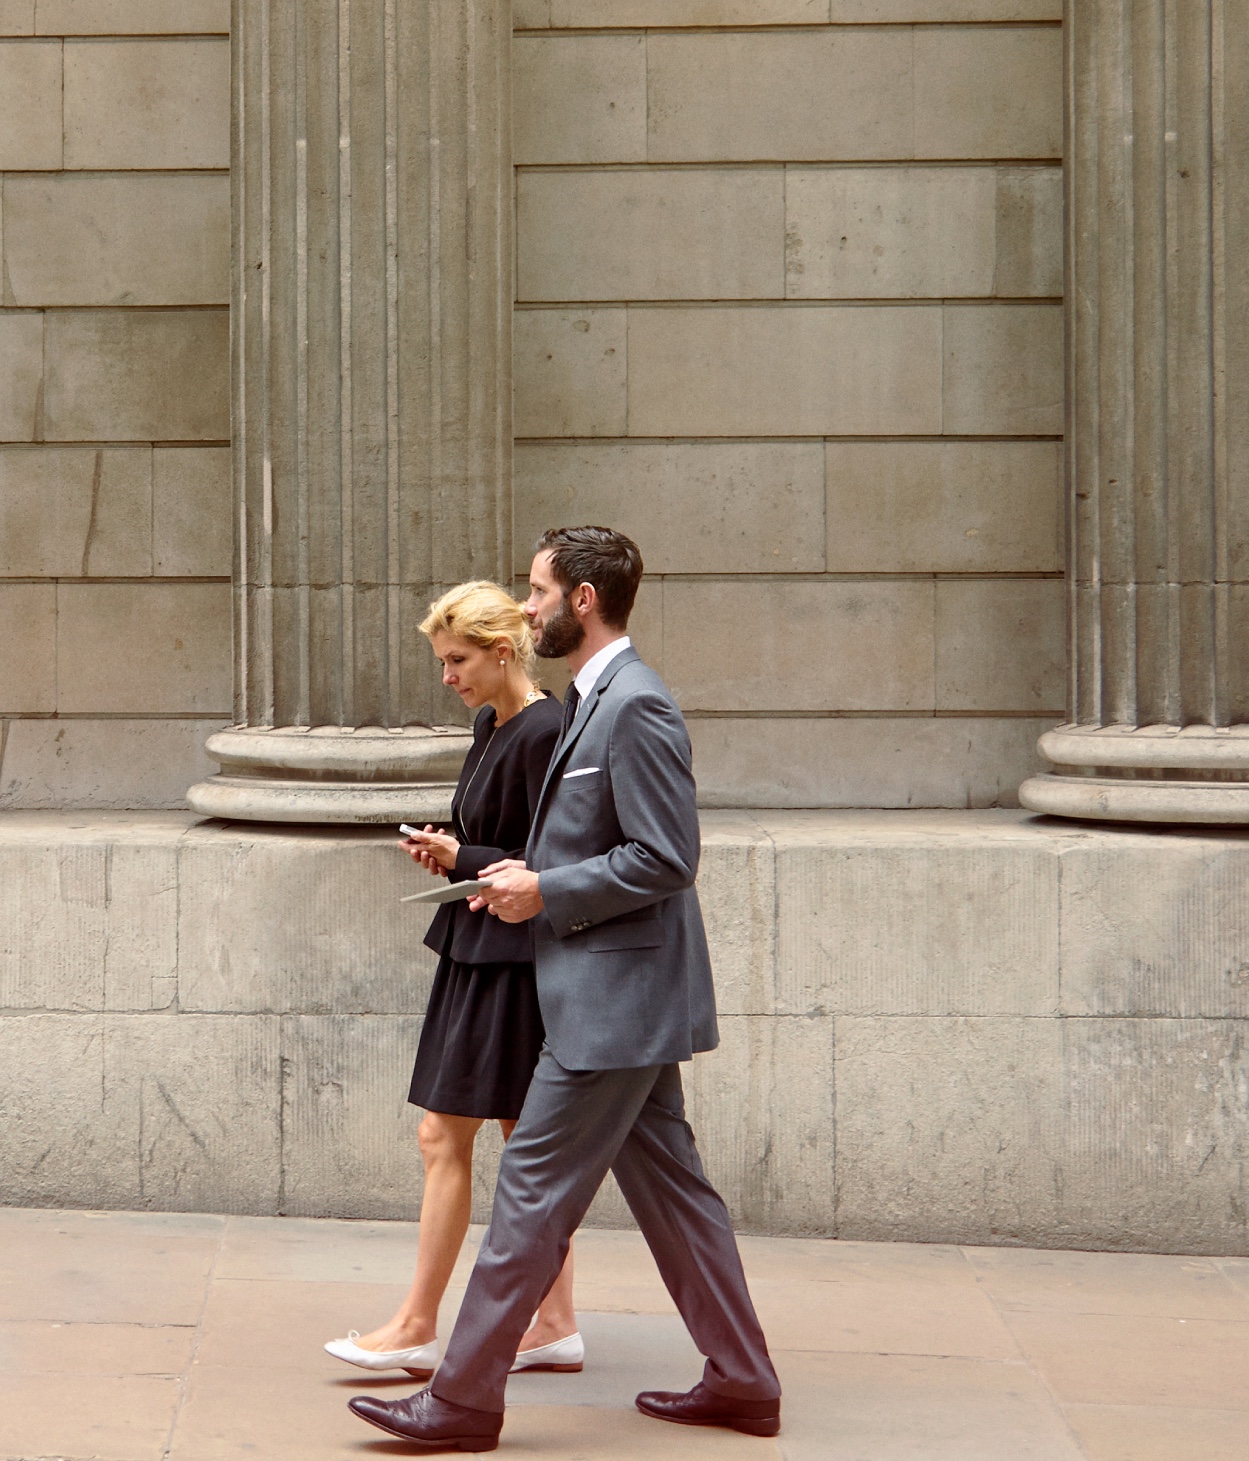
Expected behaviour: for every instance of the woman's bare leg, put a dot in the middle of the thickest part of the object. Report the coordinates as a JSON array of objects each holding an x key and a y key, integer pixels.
[
  {"x": 556, "y": 1318},
  {"x": 447, "y": 1149}
]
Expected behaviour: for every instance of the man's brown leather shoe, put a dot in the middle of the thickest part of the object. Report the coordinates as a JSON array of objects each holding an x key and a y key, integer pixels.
[
  {"x": 701, "y": 1406},
  {"x": 432, "y": 1422}
]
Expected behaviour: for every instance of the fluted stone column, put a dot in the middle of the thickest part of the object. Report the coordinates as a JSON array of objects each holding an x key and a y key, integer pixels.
[
  {"x": 1157, "y": 294},
  {"x": 372, "y": 392}
]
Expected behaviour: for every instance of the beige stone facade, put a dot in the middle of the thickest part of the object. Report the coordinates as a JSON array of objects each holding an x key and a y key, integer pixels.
[
  {"x": 788, "y": 283},
  {"x": 788, "y": 288}
]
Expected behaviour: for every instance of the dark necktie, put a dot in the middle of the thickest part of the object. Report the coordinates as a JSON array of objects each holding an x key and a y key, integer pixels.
[{"x": 571, "y": 701}]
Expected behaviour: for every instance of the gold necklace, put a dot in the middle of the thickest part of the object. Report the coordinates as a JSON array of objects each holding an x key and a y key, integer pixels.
[{"x": 532, "y": 698}]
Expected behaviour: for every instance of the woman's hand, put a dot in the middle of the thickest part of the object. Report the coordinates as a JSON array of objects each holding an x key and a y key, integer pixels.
[{"x": 435, "y": 851}]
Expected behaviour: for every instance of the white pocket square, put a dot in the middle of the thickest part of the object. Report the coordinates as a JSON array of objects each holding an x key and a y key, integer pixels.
[{"x": 584, "y": 771}]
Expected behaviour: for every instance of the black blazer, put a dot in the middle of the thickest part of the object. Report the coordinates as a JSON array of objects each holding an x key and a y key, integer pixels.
[{"x": 492, "y": 811}]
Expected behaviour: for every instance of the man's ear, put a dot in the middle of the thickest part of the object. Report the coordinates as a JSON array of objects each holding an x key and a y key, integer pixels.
[{"x": 584, "y": 599}]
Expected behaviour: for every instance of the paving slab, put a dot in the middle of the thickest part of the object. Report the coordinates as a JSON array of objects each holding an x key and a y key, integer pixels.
[
  {"x": 1154, "y": 1433},
  {"x": 882, "y": 1407},
  {"x": 1108, "y": 1283},
  {"x": 185, "y": 1337}
]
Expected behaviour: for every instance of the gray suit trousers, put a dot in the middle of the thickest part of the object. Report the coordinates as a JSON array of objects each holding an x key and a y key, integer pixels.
[{"x": 574, "y": 1126}]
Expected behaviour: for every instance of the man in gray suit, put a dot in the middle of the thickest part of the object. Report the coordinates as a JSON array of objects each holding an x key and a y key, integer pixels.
[{"x": 624, "y": 982}]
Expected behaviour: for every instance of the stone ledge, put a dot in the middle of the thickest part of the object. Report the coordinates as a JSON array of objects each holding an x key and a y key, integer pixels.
[{"x": 941, "y": 1026}]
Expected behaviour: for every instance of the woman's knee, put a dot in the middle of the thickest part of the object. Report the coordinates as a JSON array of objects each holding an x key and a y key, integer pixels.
[{"x": 445, "y": 1138}]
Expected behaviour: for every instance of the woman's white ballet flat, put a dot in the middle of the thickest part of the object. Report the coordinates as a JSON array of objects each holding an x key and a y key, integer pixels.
[
  {"x": 419, "y": 1361},
  {"x": 565, "y": 1355}
]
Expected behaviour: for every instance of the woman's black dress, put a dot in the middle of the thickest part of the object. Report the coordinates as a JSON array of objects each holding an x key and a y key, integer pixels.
[{"x": 483, "y": 1029}]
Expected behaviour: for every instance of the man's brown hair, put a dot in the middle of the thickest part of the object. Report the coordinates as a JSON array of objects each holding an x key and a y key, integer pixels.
[{"x": 605, "y": 559}]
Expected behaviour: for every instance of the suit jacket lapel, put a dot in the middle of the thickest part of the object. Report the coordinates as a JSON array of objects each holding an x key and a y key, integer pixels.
[{"x": 584, "y": 711}]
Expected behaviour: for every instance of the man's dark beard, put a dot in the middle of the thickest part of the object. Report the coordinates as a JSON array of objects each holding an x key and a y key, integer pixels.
[{"x": 561, "y": 634}]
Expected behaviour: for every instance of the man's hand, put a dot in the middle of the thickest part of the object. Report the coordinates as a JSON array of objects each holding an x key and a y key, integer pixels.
[{"x": 513, "y": 893}]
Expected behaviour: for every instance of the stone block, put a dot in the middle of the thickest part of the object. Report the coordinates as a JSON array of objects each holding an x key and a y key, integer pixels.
[
  {"x": 987, "y": 92},
  {"x": 146, "y": 375},
  {"x": 144, "y": 648},
  {"x": 89, "y": 924},
  {"x": 147, "y": 104},
  {"x": 1003, "y": 370},
  {"x": 891, "y": 918},
  {"x": 112, "y": 764},
  {"x": 659, "y": 13},
  {"x": 28, "y": 669},
  {"x": 797, "y": 370},
  {"x": 889, "y": 233},
  {"x": 579, "y": 99},
  {"x": 570, "y": 376},
  {"x": 486, "y": 1153},
  {"x": 30, "y": 104},
  {"x": 192, "y": 528},
  {"x": 944, "y": 506},
  {"x": 51, "y": 951},
  {"x": 693, "y": 507},
  {"x": 782, "y": 96},
  {"x": 1157, "y": 1135},
  {"x": 57, "y": 1147},
  {"x": 133, "y": 17},
  {"x": 646, "y": 625},
  {"x": 655, "y": 234},
  {"x": 880, "y": 12},
  {"x": 17, "y": 17},
  {"x": 1029, "y": 232},
  {"x": 1153, "y": 923},
  {"x": 21, "y": 376},
  {"x": 863, "y": 761},
  {"x": 737, "y": 891},
  {"x": 70, "y": 512},
  {"x": 761, "y": 1106},
  {"x": 1001, "y": 644},
  {"x": 882, "y": 633},
  {"x": 952, "y": 1128},
  {"x": 198, "y": 1098},
  {"x": 348, "y": 1135},
  {"x": 531, "y": 14},
  {"x": 176, "y": 1113},
  {"x": 130, "y": 238},
  {"x": 304, "y": 921},
  {"x": 141, "y": 952}
]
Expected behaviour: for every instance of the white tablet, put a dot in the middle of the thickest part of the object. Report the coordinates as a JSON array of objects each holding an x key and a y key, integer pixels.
[{"x": 447, "y": 892}]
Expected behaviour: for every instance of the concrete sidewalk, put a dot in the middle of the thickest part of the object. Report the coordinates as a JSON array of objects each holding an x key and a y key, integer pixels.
[{"x": 132, "y": 1337}]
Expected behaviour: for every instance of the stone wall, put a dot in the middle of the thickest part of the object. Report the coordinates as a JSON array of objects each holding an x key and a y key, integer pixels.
[
  {"x": 789, "y": 284},
  {"x": 114, "y": 398},
  {"x": 974, "y": 1027},
  {"x": 787, "y": 280}
]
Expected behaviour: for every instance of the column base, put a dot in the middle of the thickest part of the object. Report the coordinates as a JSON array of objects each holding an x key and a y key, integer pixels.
[
  {"x": 332, "y": 774},
  {"x": 1120, "y": 773}
]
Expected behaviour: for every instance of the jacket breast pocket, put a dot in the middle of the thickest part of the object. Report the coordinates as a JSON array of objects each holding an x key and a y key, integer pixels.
[{"x": 648, "y": 934}]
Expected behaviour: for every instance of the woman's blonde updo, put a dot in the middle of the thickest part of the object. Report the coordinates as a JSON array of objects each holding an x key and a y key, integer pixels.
[{"x": 482, "y": 613}]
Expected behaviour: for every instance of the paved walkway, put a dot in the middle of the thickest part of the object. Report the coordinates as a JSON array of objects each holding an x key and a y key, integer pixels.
[{"x": 133, "y": 1337}]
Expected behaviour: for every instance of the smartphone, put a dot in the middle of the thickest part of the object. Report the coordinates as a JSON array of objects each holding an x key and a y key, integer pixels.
[{"x": 408, "y": 831}]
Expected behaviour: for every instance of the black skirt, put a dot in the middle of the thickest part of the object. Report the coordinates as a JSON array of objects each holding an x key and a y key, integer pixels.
[{"x": 480, "y": 1041}]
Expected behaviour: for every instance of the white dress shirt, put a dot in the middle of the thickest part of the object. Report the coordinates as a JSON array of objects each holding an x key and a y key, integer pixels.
[{"x": 587, "y": 675}]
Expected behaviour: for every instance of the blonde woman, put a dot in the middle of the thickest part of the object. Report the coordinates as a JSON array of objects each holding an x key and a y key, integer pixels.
[{"x": 483, "y": 1029}]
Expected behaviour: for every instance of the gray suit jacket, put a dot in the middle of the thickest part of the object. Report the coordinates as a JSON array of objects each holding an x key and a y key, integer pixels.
[{"x": 624, "y": 978}]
